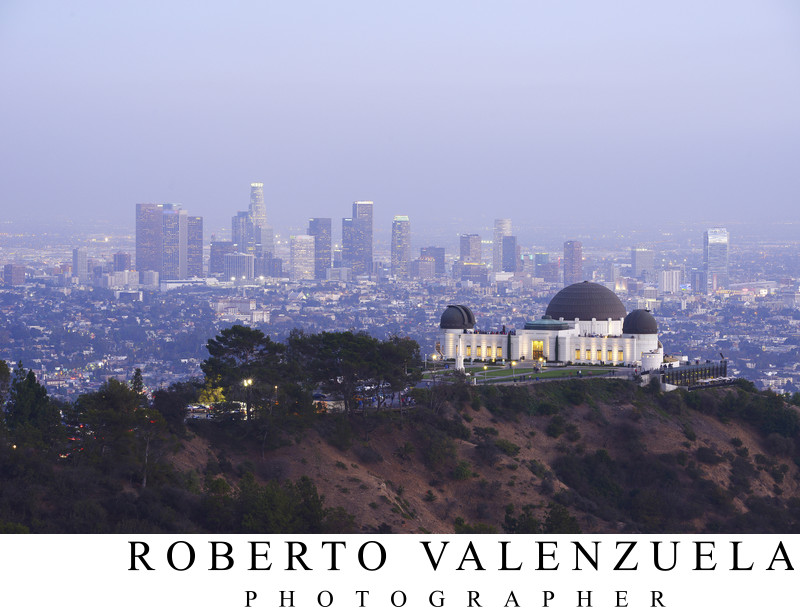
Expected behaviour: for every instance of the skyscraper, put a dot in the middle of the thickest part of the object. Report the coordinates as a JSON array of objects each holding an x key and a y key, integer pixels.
[
  {"x": 239, "y": 266},
  {"x": 540, "y": 259},
  {"x": 80, "y": 264},
  {"x": 194, "y": 250},
  {"x": 401, "y": 246},
  {"x": 122, "y": 261},
  {"x": 301, "y": 257},
  {"x": 13, "y": 274},
  {"x": 715, "y": 258},
  {"x": 162, "y": 240},
  {"x": 258, "y": 212},
  {"x": 508, "y": 252},
  {"x": 320, "y": 229},
  {"x": 243, "y": 232},
  {"x": 216, "y": 260},
  {"x": 437, "y": 255},
  {"x": 361, "y": 250},
  {"x": 149, "y": 242},
  {"x": 643, "y": 264},
  {"x": 264, "y": 240},
  {"x": 348, "y": 237},
  {"x": 502, "y": 228},
  {"x": 470, "y": 249},
  {"x": 175, "y": 249},
  {"x": 573, "y": 262},
  {"x": 669, "y": 281},
  {"x": 249, "y": 229}
]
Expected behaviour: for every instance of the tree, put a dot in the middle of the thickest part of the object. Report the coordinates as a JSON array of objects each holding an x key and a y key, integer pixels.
[
  {"x": 137, "y": 385},
  {"x": 342, "y": 363},
  {"x": 559, "y": 521},
  {"x": 151, "y": 432},
  {"x": 211, "y": 394},
  {"x": 5, "y": 382},
  {"x": 524, "y": 523},
  {"x": 241, "y": 353},
  {"x": 398, "y": 364},
  {"x": 32, "y": 418},
  {"x": 171, "y": 403},
  {"x": 109, "y": 416}
]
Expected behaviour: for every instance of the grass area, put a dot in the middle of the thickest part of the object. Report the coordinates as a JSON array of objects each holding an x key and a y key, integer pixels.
[
  {"x": 573, "y": 372},
  {"x": 503, "y": 373},
  {"x": 506, "y": 372}
]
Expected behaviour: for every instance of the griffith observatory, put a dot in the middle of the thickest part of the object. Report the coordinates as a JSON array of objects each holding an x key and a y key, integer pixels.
[{"x": 584, "y": 323}]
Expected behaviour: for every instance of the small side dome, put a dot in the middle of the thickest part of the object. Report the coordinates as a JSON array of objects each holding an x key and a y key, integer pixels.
[
  {"x": 639, "y": 321},
  {"x": 457, "y": 317}
]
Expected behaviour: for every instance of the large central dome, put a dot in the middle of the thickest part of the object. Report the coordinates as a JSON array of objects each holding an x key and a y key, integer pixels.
[{"x": 585, "y": 301}]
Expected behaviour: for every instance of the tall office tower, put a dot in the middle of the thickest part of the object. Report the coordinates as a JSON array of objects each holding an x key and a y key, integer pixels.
[
  {"x": 320, "y": 229},
  {"x": 194, "y": 247},
  {"x": 301, "y": 257},
  {"x": 122, "y": 261},
  {"x": 437, "y": 255},
  {"x": 80, "y": 264},
  {"x": 175, "y": 250},
  {"x": 401, "y": 246},
  {"x": 216, "y": 262},
  {"x": 264, "y": 240},
  {"x": 348, "y": 236},
  {"x": 573, "y": 262},
  {"x": 669, "y": 281},
  {"x": 13, "y": 274},
  {"x": 162, "y": 240},
  {"x": 361, "y": 250},
  {"x": 422, "y": 268},
  {"x": 643, "y": 264},
  {"x": 715, "y": 258},
  {"x": 243, "y": 232},
  {"x": 239, "y": 267},
  {"x": 258, "y": 212},
  {"x": 527, "y": 264},
  {"x": 539, "y": 260},
  {"x": 502, "y": 228},
  {"x": 508, "y": 251},
  {"x": 149, "y": 237},
  {"x": 699, "y": 281},
  {"x": 470, "y": 249}
]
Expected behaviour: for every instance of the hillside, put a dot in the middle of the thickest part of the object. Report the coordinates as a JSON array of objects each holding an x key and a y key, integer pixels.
[
  {"x": 598, "y": 455},
  {"x": 611, "y": 455}
]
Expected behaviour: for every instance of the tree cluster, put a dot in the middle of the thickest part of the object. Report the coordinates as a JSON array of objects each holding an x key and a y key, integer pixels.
[{"x": 246, "y": 366}]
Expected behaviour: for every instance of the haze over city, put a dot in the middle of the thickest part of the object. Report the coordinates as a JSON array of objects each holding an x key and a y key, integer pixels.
[
  {"x": 323, "y": 268},
  {"x": 605, "y": 116}
]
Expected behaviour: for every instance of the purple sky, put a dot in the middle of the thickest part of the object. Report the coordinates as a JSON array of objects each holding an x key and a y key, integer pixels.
[{"x": 529, "y": 110}]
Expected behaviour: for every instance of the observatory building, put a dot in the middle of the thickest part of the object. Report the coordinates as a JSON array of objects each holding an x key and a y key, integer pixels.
[{"x": 584, "y": 323}]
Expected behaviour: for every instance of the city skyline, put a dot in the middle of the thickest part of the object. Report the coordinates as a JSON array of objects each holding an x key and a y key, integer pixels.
[{"x": 538, "y": 110}]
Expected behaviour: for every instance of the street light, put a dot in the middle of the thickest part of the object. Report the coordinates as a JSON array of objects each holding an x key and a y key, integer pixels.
[
  {"x": 484, "y": 374},
  {"x": 513, "y": 364},
  {"x": 247, "y": 383}
]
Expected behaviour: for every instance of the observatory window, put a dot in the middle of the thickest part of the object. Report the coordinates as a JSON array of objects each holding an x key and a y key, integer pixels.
[
  {"x": 479, "y": 352},
  {"x": 537, "y": 349},
  {"x": 620, "y": 356},
  {"x": 600, "y": 354},
  {"x": 469, "y": 350},
  {"x": 499, "y": 352},
  {"x": 610, "y": 355},
  {"x": 577, "y": 354},
  {"x": 488, "y": 352}
]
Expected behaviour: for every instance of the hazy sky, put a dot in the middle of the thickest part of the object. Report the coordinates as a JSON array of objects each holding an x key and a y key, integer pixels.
[{"x": 529, "y": 110}]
